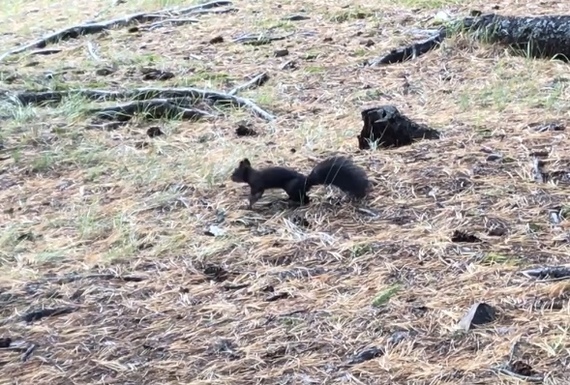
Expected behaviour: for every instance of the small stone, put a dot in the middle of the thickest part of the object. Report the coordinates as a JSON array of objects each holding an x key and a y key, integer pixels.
[
  {"x": 244, "y": 130},
  {"x": 296, "y": 18},
  {"x": 441, "y": 17},
  {"x": 479, "y": 314},
  {"x": 5, "y": 342},
  {"x": 216, "y": 40},
  {"x": 105, "y": 71},
  {"x": 366, "y": 355},
  {"x": 154, "y": 132},
  {"x": 281, "y": 52},
  {"x": 463, "y": 237},
  {"x": 494, "y": 157},
  {"x": 398, "y": 337}
]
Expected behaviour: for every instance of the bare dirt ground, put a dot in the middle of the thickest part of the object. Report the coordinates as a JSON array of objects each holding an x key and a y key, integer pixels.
[{"x": 284, "y": 296}]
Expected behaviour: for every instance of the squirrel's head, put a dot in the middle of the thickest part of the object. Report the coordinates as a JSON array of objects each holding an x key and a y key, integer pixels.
[{"x": 240, "y": 174}]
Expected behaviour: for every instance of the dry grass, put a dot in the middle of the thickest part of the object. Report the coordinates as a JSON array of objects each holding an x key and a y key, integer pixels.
[{"x": 83, "y": 201}]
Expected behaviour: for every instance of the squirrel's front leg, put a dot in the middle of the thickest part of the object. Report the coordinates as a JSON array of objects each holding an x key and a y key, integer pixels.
[{"x": 254, "y": 196}]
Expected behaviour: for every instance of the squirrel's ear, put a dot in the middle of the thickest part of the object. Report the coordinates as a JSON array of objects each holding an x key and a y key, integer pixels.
[{"x": 245, "y": 162}]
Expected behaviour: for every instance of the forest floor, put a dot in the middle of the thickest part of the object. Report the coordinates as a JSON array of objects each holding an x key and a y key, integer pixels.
[{"x": 157, "y": 272}]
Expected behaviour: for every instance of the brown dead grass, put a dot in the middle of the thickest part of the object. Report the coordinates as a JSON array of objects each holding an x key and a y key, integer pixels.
[{"x": 81, "y": 201}]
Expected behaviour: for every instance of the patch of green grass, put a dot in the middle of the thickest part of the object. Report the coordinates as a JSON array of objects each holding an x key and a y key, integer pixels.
[
  {"x": 495, "y": 258},
  {"x": 426, "y": 4},
  {"x": 159, "y": 4},
  {"x": 360, "y": 250},
  {"x": 367, "y": 95},
  {"x": 383, "y": 297},
  {"x": 360, "y": 52},
  {"x": 206, "y": 79},
  {"x": 18, "y": 115},
  {"x": 284, "y": 25},
  {"x": 314, "y": 69},
  {"x": 355, "y": 13}
]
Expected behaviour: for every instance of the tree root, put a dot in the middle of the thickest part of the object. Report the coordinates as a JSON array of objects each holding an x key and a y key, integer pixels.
[
  {"x": 153, "y": 102},
  {"x": 97, "y": 27}
]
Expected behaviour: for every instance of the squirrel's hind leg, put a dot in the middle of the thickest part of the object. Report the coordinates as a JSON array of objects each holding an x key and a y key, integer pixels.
[
  {"x": 298, "y": 200},
  {"x": 297, "y": 193}
]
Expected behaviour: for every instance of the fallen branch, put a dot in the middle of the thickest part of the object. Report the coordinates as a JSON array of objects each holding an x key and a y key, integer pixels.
[
  {"x": 93, "y": 28},
  {"x": 539, "y": 37},
  {"x": 165, "y": 94},
  {"x": 153, "y": 109}
]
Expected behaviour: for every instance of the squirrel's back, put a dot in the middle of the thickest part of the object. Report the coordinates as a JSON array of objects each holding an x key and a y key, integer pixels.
[
  {"x": 278, "y": 177},
  {"x": 342, "y": 173}
]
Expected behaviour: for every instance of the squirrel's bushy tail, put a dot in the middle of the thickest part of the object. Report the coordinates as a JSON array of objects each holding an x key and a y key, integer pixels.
[{"x": 342, "y": 173}]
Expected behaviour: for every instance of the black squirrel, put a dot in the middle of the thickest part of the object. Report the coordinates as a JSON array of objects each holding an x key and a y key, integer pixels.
[{"x": 337, "y": 170}]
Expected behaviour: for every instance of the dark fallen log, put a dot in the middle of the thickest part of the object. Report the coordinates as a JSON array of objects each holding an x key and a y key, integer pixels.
[
  {"x": 121, "y": 22},
  {"x": 195, "y": 94},
  {"x": 387, "y": 127},
  {"x": 539, "y": 37},
  {"x": 148, "y": 109}
]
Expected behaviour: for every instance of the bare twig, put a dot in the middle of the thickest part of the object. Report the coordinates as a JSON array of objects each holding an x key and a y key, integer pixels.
[
  {"x": 28, "y": 353},
  {"x": 91, "y": 50},
  {"x": 256, "y": 81},
  {"x": 46, "y": 51},
  {"x": 93, "y": 28},
  {"x": 162, "y": 23},
  {"x": 77, "y": 277},
  {"x": 260, "y": 39}
]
